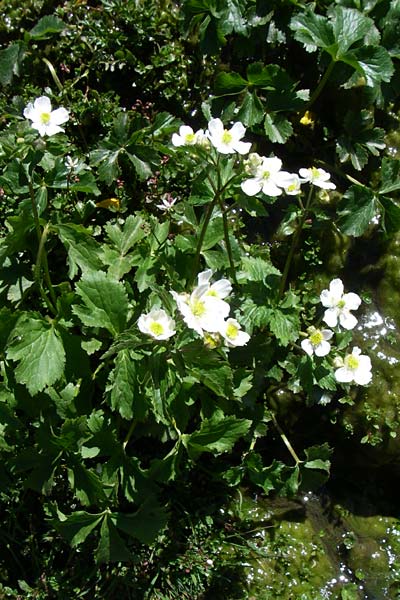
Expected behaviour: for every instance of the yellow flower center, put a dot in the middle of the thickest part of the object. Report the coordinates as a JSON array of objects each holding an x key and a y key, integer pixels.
[
  {"x": 266, "y": 174},
  {"x": 212, "y": 293},
  {"x": 232, "y": 331},
  {"x": 198, "y": 308},
  {"x": 315, "y": 172},
  {"x": 316, "y": 337},
  {"x": 351, "y": 362},
  {"x": 190, "y": 138},
  {"x": 341, "y": 304},
  {"x": 45, "y": 118},
  {"x": 226, "y": 137},
  {"x": 156, "y": 328},
  {"x": 292, "y": 187}
]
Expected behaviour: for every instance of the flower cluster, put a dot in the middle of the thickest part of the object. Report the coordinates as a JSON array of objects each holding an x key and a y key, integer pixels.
[
  {"x": 267, "y": 176},
  {"x": 354, "y": 367},
  {"x": 204, "y": 310},
  {"x": 225, "y": 141}
]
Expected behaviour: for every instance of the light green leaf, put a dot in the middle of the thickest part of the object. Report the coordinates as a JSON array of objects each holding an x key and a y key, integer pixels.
[
  {"x": 129, "y": 235},
  {"x": 356, "y": 209},
  {"x": 37, "y": 347},
  {"x": 349, "y": 26},
  {"x": 83, "y": 250},
  {"x": 46, "y": 26},
  {"x": 252, "y": 111},
  {"x": 215, "y": 435},
  {"x": 256, "y": 269},
  {"x": 105, "y": 302},
  {"x": 312, "y": 30},
  {"x": 374, "y": 63},
  {"x": 284, "y": 325},
  {"x": 277, "y": 128}
]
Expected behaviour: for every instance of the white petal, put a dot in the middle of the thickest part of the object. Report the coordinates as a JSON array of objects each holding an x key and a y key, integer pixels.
[
  {"x": 362, "y": 376},
  {"x": 251, "y": 187},
  {"x": 30, "y": 112},
  {"x": 343, "y": 375},
  {"x": 336, "y": 288},
  {"x": 323, "y": 348},
  {"x": 273, "y": 164},
  {"x": 307, "y": 347},
  {"x": 238, "y": 130},
  {"x": 270, "y": 189},
  {"x": 216, "y": 127},
  {"x": 59, "y": 116},
  {"x": 327, "y": 334},
  {"x": 222, "y": 288},
  {"x": 242, "y": 147},
  {"x": 352, "y": 301},
  {"x": 177, "y": 140},
  {"x": 347, "y": 320},
  {"x": 52, "y": 129},
  {"x": 204, "y": 277},
  {"x": 330, "y": 317},
  {"x": 43, "y": 104}
]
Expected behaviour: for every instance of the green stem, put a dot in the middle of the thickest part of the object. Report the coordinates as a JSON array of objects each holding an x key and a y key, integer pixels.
[
  {"x": 321, "y": 84},
  {"x": 128, "y": 435},
  {"x": 41, "y": 259},
  {"x": 207, "y": 218},
  {"x": 295, "y": 242},
  {"x": 286, "y": 441},
  {"x": 227, "y": 240}
]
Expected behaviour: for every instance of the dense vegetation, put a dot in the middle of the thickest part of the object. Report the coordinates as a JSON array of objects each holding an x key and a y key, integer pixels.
[{"x": 197, "y": 198}]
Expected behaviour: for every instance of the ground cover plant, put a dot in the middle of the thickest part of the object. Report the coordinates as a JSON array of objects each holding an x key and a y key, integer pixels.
[{"x": 183, "y": 186}]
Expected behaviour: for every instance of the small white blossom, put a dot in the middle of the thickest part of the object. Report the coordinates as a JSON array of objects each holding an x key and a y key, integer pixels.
[
  {"x": 187, "y": 137},
  {"x": 167, "y": 203},
  {"x": 201, "y": 311},
  {"x": 157, "y": 324},
  {"x": 291, "y": 184},
  {"x": 317, "y": 342},
  {"x": 339, "y": 305},
  {"x": 46, "y": 121},
  {"x": 268, "y": 178},
  {"x": 317, "y": 177},
  {"x": 356, "y": 368},
  {"x": 232, "y": 333},
  {"x": 71, "y": 163},
  {"x": 227, "y": 141}
]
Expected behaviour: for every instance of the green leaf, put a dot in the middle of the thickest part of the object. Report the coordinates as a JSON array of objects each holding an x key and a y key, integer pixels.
[
  {"x": 277, "y": 128},
  {"x": 105, "y": 302},
  {"x": 356, "y": 209},
  {"x": 229, "y": 83},
  {"x": 124, "y": 386},
  {"x": 111, "y": 547},
  {"x": 252, "y": 110},
  {"x": 349, "y": 26},
  {"x": 76, "y": 527},
  {"x": 312, "y": 30},
  {"x": 10, "y": 62},
  {"x": 145, "y": 524},
  {"x": 372, "y": 62},
  {"x": 390, "y": 210},
  {"x": 284, "y": 325},
  {"x": 215, "y": 435},
  {"x": 129, "y": 235},
  {"x": 46, "y": 26},
  {"x": 256, "y": 269},
  {"x": 37, "y": 347},
  {"x": 390, "y": 175},
  {"x": 86, "y": 485},
  {"x": 83, "y": 250}
]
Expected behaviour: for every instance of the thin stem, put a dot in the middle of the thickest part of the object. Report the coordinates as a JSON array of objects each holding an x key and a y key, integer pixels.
[
  {"x": 128, "y": 435},
  {"x": 207, "y": 218},
  {"x": 321, "y": 84},
  {"x": 227, "y": 240},
  {"x": 295, "y": 242},
  {"x": 286, "y": 441}
]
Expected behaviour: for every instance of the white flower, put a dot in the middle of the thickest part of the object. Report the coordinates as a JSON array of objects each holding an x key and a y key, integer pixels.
[
  {"x": 356, "y": 367},
  {"x": 291, "y": 184},
  {"x": 339, "y": 305},
  {"x": 46, "y": 121},
  {"x": 227, "y": 141},
  {"x": 268, "y": 178},
  {"x": 219, "y": 289},
  {"x": 187, "y": 137},
  {"x": 201, "y": 311},
  {"x": 71, "y": 163},
  {"x": 317, "y": 342},
  {"x": 232, "y": 334},
  {"x": 317, "y": 177},
  {"x": 157, "y": 324},
  {"x": 167, "y": 203}
]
